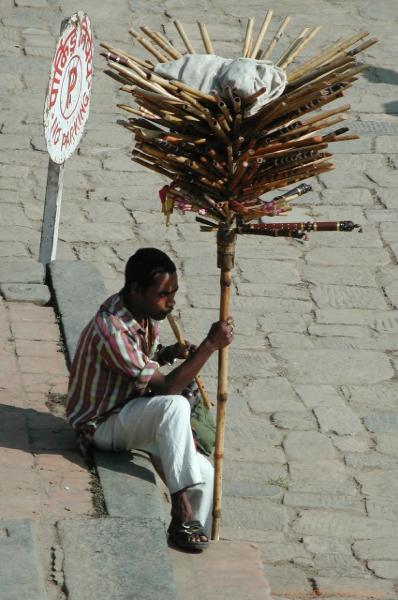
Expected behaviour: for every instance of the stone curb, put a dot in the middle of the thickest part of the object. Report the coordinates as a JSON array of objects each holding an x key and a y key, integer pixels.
[
  {"x": 21, "y": 577},
  {"x": 132, "y": 499}
]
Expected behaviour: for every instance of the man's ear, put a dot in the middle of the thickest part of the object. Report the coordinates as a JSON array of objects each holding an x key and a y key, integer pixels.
[{"x": 134, "y": 288}]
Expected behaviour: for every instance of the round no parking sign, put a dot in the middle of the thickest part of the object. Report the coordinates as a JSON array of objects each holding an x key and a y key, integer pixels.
[{"x": 68, "y": 96}]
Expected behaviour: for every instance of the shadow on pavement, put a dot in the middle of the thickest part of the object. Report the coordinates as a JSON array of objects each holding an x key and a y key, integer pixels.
[
  {"x": 381, "y": 75},
  {"x": 391, "y": 108},
  {"x": 37, "y": 432}
]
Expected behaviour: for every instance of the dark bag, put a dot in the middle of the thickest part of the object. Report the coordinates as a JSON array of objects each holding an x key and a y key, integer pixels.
[{"x": 202, "y": 420}]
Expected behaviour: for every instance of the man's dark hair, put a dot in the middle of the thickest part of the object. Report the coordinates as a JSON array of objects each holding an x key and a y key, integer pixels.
[{"x": 144, "y": 265}]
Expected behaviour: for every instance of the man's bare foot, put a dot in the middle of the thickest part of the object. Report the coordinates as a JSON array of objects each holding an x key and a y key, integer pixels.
[{"x": 181, "y": 510}]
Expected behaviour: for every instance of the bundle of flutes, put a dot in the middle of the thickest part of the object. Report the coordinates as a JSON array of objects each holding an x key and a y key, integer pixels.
[{"x": 220, "y": 161}]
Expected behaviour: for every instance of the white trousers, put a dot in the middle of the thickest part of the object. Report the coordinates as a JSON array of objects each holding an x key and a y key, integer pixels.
[{"x": 161, "y": 426}]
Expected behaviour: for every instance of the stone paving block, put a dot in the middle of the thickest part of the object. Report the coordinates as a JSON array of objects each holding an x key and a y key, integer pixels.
[
  {"x": 354, "y": 443},
  {"x": 276, "y": 290},
  {"x": 19, "y": 234},
  {"x": 35, "y": 331},
  {"x": 254, "y": 513},
  {"x": 333, "y": 367},
  {"x": 232, "y": 569},
  {"x": 369, "y": 400},
  {"x": 279, "y": 321},
  {"x": 381, "y": 549},
  {"x": 265, "y": 365},
  {"x": 378, "y": 482},
  {"x": 290, "y": 340},
  {"x": 338, "y": 419},
  {"x": 251, "y": 432},
  {"x": 334, "y": 565},
  {"x": 320, "y": 470},
  {"x": 250, "y": 489},
  {"x": 382, "y": 508},
  {"x": 392, "y": 293},
  {"x": 11, "y": 214},
  {"x": 386, "y": 443},
  {"x": 255, "y": 472},
  {"x": 13, "y": 249},
  {"x": 28, "y": 312},
  {"x": 270, "y": 271},
  {"x": 316, "y": 395},
  {"x": 277, "y": 394},
  {"x": 19, "y": 546},
  {"x": 266, "y": 453},
  {"x": 388, "y": 231},
  {"x": 368, "y": 238},
  {"x": 287, "y": 580},
  {"x": 386, "y": 569},
  {"x": 259, "y": 306},
  {"x": 386, "y": 144},
  {"x": 17, "y": 292},
  {"x": 327, "y": 545},
  {"x": 379, "y": 215},
  {"x": 383, "y": 422},
  {"x": 340, "y": 275},
  {"x": 23, "y": 270},
  {"x": 343, "y": 525},
  {"x": 338, "y": 296},
  {"x": 93, "y": 232},
  {"x": 112, "y": 564},
  {"x": 324, "y": 501},
  {"x": 357, "y": 256},
  {"x": 284, "y": 552},
  {"x": 369, "y": 460},
  {"x": 300, "y": 445},
  {"x": 360, "y": 588},
  {"x": 293, "y": 419},
  {"x": 325, "y": 334}
]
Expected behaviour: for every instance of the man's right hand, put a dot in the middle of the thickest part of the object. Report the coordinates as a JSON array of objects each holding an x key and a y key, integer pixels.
[{"x": 221, "y": 334}]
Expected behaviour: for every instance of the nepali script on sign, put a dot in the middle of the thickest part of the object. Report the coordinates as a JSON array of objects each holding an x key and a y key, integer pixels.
[{"x": 68, "y": 97}]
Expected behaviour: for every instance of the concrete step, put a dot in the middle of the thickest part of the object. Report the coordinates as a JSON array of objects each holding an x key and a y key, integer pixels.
[
  {"x": 21, "y": 576},
  {"x": 226, "y": 569},
  {"x": 115, "y": 558}
]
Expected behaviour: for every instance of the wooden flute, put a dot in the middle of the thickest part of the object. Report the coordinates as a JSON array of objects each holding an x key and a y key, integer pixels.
[{"x": 297, "y": 229}]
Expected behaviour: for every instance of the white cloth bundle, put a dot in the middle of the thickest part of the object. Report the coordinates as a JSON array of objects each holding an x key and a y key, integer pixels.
[{"x": 208, "y": 72}]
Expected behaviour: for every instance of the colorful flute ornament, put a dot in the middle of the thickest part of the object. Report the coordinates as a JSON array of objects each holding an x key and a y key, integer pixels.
[{"x": 223, "y": 151}]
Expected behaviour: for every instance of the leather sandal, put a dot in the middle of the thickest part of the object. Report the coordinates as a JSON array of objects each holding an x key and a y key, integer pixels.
[{"x": 180, "y": 532}]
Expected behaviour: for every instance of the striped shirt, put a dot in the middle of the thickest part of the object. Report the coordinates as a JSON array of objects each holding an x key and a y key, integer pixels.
[{"x": 113, "y": 363}]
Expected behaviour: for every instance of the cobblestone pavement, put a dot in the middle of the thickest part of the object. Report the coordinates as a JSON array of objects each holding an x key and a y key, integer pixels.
[
  {"x": 311, "y": 444},
  {"x": 43, "y": 476}
]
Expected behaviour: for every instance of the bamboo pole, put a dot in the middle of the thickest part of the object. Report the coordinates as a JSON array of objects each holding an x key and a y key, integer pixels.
[
  {"x": 184, "y": 37},
  {"x": 261, "y": 34},
  {"x": 148, "y": 46},
  {"x": 162, "y": 42},
  {"x": 267, "y": 53},
  {"x": 311, "y": 34},
  {"x": 247, "y": 42},
  {"x": 226, "y": 239},
  {"x": 205, "y": 38},
  {"x": 293, "y": 46}
]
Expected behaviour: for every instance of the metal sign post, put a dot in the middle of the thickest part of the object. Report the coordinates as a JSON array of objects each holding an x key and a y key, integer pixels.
[{"x": 66, "y": 111}]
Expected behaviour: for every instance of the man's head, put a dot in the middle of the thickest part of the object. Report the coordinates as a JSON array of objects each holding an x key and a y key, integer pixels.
[{"x": 150, "y": 283}]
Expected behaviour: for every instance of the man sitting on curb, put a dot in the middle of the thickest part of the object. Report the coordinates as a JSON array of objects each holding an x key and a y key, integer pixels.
[{"x": 119, "y": 400}]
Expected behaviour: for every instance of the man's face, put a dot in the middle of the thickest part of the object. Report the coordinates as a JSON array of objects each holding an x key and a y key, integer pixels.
[{"x": 157, "y": 301}]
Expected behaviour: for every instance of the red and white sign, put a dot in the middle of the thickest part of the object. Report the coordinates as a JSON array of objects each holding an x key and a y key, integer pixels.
[{"x": 68, "y": 97}]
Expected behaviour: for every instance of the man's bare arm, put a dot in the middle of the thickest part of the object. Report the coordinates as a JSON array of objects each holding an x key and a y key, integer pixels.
[{"x": 220, "y": 335}]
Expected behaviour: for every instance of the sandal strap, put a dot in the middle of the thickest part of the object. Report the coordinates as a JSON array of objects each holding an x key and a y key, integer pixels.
[{"x": 186, "y": 528}]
